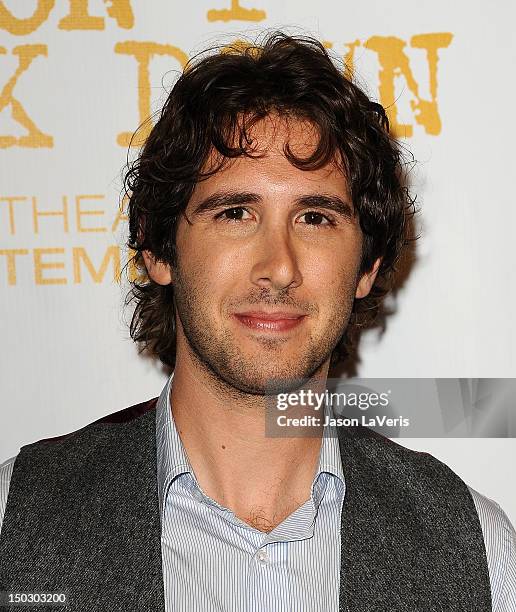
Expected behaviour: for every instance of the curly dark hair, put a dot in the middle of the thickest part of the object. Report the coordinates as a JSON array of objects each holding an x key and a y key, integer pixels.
[{"x": 213, "y": 105}]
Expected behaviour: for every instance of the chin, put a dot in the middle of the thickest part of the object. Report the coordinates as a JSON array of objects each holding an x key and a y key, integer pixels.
[{"x": 258, "y": 380}]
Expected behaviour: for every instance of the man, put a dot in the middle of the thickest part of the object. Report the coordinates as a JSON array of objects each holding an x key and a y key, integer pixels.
[{"x": 269, "y": 211}]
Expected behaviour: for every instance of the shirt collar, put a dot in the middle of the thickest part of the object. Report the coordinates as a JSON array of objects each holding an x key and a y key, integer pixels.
[
  {"x": 172, "y": 457},
  {"x": 173, "y": 460},
  {"x": 330, "y": 461}
]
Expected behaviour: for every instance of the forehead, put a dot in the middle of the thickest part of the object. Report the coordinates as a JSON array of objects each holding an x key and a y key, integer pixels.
[
  {"x": 269, "y": 167},
  {"x": 270, "y": 134}
]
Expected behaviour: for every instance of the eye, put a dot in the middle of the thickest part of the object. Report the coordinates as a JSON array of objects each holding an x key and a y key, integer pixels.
[
  {"x": 231, "y": 214},
  {"x": 315, "y": 218}
]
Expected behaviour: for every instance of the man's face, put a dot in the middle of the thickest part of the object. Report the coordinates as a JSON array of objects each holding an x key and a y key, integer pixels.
[{"x": 266, "y": 236}]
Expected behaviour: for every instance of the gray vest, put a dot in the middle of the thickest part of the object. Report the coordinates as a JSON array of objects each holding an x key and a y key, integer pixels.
[{"x": 82, "y": 517}]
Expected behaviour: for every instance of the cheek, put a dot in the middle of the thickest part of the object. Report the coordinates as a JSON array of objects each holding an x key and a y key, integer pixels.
[
  {"x": 332, "y": 270},
  {"x": 209, "y": 270}
]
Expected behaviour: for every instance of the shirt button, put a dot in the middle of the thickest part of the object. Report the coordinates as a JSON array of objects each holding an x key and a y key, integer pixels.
[{"x": 262, "y": 557}]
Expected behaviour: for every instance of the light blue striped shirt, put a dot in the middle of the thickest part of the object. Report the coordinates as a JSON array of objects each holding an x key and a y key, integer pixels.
[{"x": 214, "y": 561}]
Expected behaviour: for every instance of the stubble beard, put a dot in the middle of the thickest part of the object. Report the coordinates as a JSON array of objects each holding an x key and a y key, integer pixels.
[{"x": 271, "y": 368}]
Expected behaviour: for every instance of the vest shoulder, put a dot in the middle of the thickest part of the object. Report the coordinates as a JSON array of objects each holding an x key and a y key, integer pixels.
[
  {"x": 387, "y": 454},
  {"x": 108, "y": 423}
]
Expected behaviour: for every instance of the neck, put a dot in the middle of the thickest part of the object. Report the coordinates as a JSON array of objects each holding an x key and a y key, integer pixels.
[{"x": 262, "y": 479}]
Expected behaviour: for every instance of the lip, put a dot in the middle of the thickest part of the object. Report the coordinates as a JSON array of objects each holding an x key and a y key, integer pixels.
[
  {"x": 269, "y": 322},
  {"x": 270, "y": 316}
]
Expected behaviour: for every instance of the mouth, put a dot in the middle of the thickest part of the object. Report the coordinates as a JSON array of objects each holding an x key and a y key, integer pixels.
[{"x": 269, "y": 322}]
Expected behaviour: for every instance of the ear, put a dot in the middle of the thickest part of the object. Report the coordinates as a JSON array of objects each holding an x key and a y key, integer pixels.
[
  {"x": 367, "y": 280},
  {"x": 158, "y": 271}
]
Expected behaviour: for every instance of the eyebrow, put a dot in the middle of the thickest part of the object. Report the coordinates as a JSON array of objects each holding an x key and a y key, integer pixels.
[{"x": 222, "y": 199}]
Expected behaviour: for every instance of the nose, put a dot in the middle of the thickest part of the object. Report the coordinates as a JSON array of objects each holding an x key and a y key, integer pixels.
[{"x": 276, "y": 264}]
